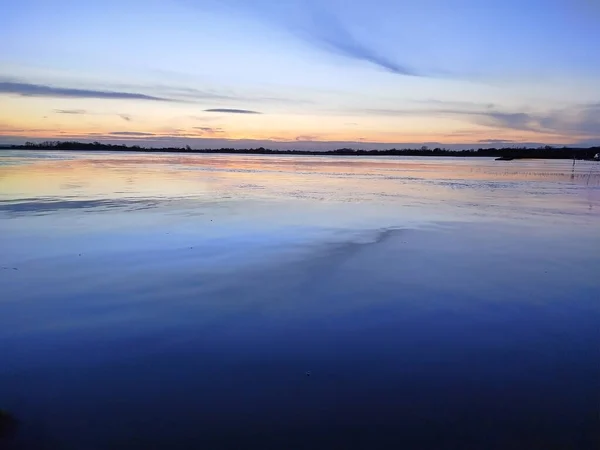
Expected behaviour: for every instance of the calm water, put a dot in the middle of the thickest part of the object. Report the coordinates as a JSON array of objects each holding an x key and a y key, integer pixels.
[{"x": 174, "y": 301}]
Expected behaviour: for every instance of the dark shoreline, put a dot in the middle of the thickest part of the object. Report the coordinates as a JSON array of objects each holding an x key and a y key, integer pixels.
[{"x": 503, "y": 154}]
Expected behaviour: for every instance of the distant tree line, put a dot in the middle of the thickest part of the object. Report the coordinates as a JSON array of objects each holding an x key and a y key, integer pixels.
[{"x": 546, "y": 152}]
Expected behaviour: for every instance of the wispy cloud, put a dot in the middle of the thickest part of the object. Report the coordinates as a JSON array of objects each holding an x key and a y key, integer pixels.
[
  {"x": 71, "y": 111},
  {"x": 125, "y": 117},
  {"x": 326, "y": 29},
  {"x": 210, "y": 131},
  {"x": 320, "y": 24},
  {"x": 307, "y": 137},
  {"x": 5, "y": 128},
  {"x": 455, "y": 104},
  {"x": 130, "y": 133},
  {"x": 577, "y": 120},
  {"x": 514, "y": 121},
  {"x": 232, "y": 111},
  {"x": 496, "y": 141},
  {"x": 192, "y": 94},
  {"x": 143, "y": 92},
  {"x": 436, "y": 107},
  {"x": 582, "y": 120},
  {"x": 42, "y": 90},
  {"x": 203, "y": 118}
]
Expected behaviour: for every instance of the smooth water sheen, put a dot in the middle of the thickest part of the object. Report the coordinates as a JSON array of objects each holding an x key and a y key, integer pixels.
[{"x": 167, "y": 301}]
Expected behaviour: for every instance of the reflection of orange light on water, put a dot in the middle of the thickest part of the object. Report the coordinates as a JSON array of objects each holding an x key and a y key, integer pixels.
[
  {"x": 437, "y": 182},
  {"x": 169, "y": 175}
]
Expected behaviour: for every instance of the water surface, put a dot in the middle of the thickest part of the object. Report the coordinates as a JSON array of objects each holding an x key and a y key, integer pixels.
[{"x": 228, "y": 301}]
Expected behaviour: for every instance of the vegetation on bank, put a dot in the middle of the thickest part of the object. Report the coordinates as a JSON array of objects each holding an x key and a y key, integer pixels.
[{"x": 506, "y": 153}]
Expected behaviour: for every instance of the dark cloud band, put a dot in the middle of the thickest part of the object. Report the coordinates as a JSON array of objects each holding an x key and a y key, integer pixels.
[
  {"x": 232, "y": 111},
  {"x": 41, "y": 90}
]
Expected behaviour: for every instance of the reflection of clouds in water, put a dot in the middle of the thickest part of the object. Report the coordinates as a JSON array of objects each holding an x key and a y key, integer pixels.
[
  {"x": 435, "y": 186},
  {"x": 250, "y": 186},
  {"x": 42, "y": 206},
  {"x": 68, "y": 186},
  {"x": 335, "y": 282},
  {"x": 320, "y": 260}
]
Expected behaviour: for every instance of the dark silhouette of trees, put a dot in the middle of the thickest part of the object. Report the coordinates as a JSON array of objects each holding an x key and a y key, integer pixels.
[{"x": 545, "y": 152}]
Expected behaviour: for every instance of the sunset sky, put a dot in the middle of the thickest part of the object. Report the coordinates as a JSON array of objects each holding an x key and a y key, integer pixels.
[{"x": 301, "y": 73}]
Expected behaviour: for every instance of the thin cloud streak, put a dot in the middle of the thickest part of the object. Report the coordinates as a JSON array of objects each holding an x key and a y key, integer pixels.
[
  {"x": 496, "y": 141},
  {"x": 579, "y": 120},
  {"x": 307, "y": 138},
  {"x": 41, "y": 90},
  {"x": 130, "y": 133},
  {"x": 582, "y": 120},
  {"x": 232, "y": 111},
  {"x": 191, "y": 94},
  {"x": 119, "y": 91},
  {"x": 209, "y": 130},
  {"x": 71, "y": 111},
  {"x": 125, "y": 117},
  {"x": 328, "y": 31},
  {"x": 322, "y": 28}
]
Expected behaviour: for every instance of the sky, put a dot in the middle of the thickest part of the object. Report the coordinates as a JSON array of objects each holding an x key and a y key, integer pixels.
[{"x": 306, "y": 74}]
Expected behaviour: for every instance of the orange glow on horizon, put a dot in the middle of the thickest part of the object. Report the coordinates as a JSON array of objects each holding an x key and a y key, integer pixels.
[
  {"x": 136, "y": 135},
  {"x": 37, "y": 119}
]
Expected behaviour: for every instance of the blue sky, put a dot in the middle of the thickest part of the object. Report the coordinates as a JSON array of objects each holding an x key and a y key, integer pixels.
[{"x": 297, "y": 73}]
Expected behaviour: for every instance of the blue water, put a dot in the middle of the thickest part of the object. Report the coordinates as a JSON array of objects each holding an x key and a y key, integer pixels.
[{"x": 174, "y": 302}]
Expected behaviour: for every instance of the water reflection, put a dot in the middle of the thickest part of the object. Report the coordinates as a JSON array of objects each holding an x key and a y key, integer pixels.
[
  {"x": 43, "y": 206},
  {"x": 153, "y": 301},
  {"x": 473, "y": 185}
]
